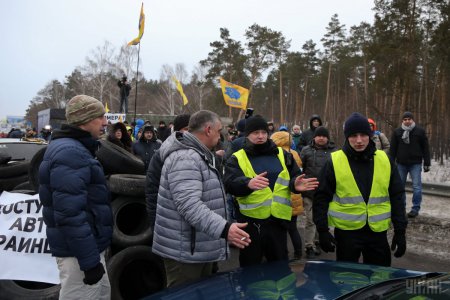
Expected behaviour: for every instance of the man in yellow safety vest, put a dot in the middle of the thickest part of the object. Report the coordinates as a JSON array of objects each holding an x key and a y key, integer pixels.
[
  {"x": 262, "y": 176},
  {"x": 360, "y": 193}
]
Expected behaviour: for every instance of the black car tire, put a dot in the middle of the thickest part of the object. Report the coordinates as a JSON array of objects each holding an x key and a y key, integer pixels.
[
  {"x": 135, "y": 272},
  {"x": 14, "y": 169},
  {"x": 116, "y": 160},
  {"x": 33, "y": 171},
  {"x": 18, "y": 289},
  {"x": 127, "y": 184},
  {"x": 131, "y": 222},
  {"x": 8, "y": 184}
]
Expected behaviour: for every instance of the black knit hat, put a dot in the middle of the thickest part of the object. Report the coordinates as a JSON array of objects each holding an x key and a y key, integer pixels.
[
  {"x": 240, "y": 126},
  {"x": 357, "y": 123},
  {"x": 181, "y": 121},
  {"x": 408, "y": 114},
  {"x": 255, "y": 123},
  {"x": 321, "y": 131}
]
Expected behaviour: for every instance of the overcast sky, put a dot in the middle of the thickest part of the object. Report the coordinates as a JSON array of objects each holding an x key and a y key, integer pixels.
[{"x": 44, "y": 40}]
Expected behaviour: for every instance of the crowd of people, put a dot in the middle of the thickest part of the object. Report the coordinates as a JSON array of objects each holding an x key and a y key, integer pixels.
[{"x": 207, "y": 189}]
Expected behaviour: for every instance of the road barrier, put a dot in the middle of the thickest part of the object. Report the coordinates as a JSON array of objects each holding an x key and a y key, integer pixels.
[{"x": 432, "y": 189}]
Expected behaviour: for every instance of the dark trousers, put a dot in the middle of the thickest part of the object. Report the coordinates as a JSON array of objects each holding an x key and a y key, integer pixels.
[
  {"x": 124, "y": 104},
  {"x": 295, "y": 235},
  {"x": 269, "y": 240},
  {"x": 373, "y": 246},
  {"x": 178, "y": 272}
]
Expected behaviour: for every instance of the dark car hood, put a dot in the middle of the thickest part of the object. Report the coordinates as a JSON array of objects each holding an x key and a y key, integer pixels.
[{"x": 286, "y": 280}]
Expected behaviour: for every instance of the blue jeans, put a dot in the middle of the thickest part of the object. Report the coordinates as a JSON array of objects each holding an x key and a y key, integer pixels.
[{"x": 415, "y": 171}]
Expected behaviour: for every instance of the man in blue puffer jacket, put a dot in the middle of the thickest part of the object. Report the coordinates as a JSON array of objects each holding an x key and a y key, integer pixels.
[{"x": 76, "y": 202}]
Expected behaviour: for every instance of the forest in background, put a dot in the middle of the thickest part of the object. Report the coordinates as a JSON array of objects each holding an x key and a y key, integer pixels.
[{"x": 399, "y": 63}]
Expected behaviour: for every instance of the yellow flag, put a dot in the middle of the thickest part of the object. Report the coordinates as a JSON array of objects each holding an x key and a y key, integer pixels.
[
  {"x": 106, "y": 107},
  {"x": 234, "y": 95},
  {"x": 141, "y": 27},
  {"x": 180, "y": 89}
]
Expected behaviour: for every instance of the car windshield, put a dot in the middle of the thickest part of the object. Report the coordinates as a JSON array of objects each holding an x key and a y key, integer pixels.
[{"x": 427, "y": 286}]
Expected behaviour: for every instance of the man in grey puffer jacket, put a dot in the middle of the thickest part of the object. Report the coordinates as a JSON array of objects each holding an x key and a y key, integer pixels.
[{"x": 191, "y": 231}]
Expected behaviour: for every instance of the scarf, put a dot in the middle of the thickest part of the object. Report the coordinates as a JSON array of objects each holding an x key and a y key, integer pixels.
[{"x": 407, "y": 130}]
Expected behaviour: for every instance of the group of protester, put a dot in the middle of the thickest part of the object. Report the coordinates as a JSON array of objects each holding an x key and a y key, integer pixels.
[
  {"x": 30, "y": 134},
  {"x": 358, "y": 190},
  {"x": 146, "y": 141}
]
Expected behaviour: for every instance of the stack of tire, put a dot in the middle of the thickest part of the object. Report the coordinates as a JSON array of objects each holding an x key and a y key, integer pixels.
[{"x": 134, "y": 271}]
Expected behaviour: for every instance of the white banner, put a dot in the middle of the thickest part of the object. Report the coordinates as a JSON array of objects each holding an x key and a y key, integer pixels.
[
  {"x": 114, "y": 118},
  {"x": 24, "y": 251}
]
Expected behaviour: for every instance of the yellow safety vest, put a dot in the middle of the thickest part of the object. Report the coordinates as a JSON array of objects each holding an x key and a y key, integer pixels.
[
  {"x": 348, "y": 210},
  {"x": 261, "y": 204}
]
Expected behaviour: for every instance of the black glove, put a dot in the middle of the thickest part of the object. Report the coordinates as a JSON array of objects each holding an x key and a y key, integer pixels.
[
  {"x": 399, "y": 242},
  {"x": 92, "y": 276},
  {"x": 426, "y": 169},
  {"x": 327, "y": 241}
]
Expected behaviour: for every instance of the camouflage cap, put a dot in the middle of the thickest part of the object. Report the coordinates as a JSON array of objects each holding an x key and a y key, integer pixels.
[{"x": 82, "y": 109}]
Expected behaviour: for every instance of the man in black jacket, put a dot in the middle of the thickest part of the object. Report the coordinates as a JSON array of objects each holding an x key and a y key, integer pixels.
[
  {"x": 261, "y": 176},
  {"x": 180, "y": 123},
  {"x": 146, "y": 146},
  {"x": 360, "y": 193},
  {"x": 125, "y": 88},
  {"x": 307, "y": 135},
  {"x": 409, "y": 147},
  {"x": 313, "y": 159}
]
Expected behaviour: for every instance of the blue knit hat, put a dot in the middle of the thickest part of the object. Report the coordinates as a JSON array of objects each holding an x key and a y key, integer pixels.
[{"x": 357, "y": 123}]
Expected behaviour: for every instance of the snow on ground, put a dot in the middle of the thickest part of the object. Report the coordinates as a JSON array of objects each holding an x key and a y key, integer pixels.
[{"x": 438, "y": 173}]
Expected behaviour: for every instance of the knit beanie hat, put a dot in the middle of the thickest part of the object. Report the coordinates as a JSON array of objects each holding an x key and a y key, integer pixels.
[
  {"x": 356, "y": 123},
  {"x": 408, "y": 114},
  {"x": 321, "y": 131},
  {"x": 181, "y": 121},
  {"x": 255, "y": 123},
  {"x": 240, "y": 126},
  {"x": 82, "y": 109}
]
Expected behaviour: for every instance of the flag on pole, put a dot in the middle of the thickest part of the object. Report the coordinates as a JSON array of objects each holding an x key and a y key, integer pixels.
[
  {"x": 180, "y": 89},
  {"x": 234, "y": 95},
  {"x": 106, "y": 107},
  {"x": 141, "y": 27}
]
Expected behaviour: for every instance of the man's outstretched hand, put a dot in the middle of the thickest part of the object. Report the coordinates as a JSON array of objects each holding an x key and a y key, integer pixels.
[{"x": 303, "y": 184}]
